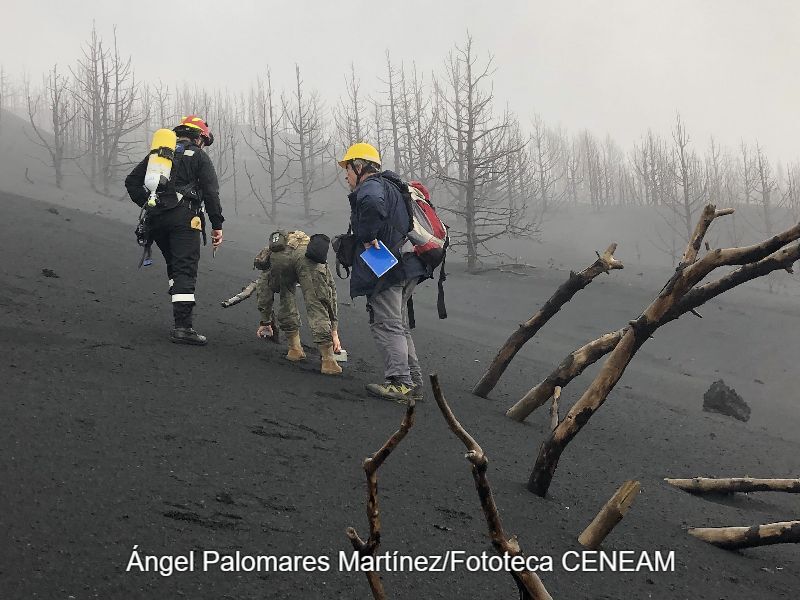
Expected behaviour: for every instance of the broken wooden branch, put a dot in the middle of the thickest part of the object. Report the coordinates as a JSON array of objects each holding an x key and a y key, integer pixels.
[
  {"x": 246, "y": 292},
  {"x": 736, "y": 538},
  {"x": 371, "y": 466},
  {"x": 670, "y": 303},
  {"x": 554, "y": 409},
  {"x": 605, "y": 263},
  {"x": 609, "y": 516},
  {"x": 529, "y": 585},
  {"x": 572, "y": 366},
  {"x": 707, "y": 485}
]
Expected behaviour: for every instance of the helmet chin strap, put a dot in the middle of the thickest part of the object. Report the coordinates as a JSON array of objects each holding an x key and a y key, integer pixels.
[{"x": 360, "y": 174}]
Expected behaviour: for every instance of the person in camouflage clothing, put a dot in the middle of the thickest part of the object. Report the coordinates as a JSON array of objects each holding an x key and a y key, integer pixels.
[{"x": 289, "y": 267}]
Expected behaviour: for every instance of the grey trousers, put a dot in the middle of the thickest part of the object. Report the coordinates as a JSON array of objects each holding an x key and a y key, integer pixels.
[{"x": 392, "y": 335}]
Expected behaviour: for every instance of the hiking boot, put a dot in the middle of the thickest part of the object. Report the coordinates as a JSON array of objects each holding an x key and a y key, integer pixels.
[
  {"x": 418, "y": 392},
  {"x": 392, "y": 390},
  {"x": 295, "y": 351},
  {"x": 187, "y": 335},
  {"x": 329, "y": 364}
]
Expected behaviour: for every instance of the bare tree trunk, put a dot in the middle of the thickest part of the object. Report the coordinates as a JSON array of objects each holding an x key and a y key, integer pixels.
[
  {"x": 576, "y": 282},
  {"x": 61, "y": 114}
]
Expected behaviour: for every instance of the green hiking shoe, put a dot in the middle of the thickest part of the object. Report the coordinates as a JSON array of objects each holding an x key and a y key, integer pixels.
[
  {"x": 187, "y": 335},
  {"x": 390, "y": 390}
]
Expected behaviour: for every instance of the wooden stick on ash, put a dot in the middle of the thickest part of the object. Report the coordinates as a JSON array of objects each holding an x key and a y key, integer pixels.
[
  {"x": 605, "y": 263},
  {"x": 371, "y": 466},
  {"x": 529, "y": 585},
  {"x": 735, "y": 538},
  {"x": 246, "y": 292},
  {"x": 609, "y": 516},
  {"x": 707, "y": 485}
]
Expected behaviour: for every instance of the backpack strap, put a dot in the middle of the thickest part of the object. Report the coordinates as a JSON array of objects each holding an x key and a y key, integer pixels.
[
  {"x": 339, "y": 267},
  {"x": 440, "y": 307}
]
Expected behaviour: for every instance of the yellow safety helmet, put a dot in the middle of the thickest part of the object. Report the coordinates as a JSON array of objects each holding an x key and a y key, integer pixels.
[{"x": 363, "y": 151}]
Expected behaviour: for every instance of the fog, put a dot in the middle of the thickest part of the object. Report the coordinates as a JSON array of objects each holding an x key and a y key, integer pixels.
[{"x": 620, "y": 68}]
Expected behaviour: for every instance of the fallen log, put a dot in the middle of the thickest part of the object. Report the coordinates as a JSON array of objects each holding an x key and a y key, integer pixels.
[
  {"x": 736, "y": 538},
  {"x": 609, "y": 516},
  {"x": 605, "y": 263},
  {"x": 707, "y": 485},
  {"x": 528, "y": 583},
  {"x": 371, "y": 466}
]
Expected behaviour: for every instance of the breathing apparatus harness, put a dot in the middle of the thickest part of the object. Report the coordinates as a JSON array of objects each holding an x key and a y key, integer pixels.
[{"x": 194, "y": 202}]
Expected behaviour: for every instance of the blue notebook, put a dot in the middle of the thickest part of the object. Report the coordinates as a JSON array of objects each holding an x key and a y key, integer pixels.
[{"x": 380, "y": 261}]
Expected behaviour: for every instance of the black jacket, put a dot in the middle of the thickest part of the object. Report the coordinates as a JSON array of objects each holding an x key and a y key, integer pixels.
[
  {"x": 191, "y": 168},
  {"x": 378, "y": 212}
]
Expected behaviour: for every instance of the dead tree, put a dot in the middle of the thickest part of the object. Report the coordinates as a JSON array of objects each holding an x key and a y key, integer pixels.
[
  {"x": 477, "y": 146},
  {"x": 689, "y": 187},
  {"x": 609, "y": 516},
  {"x": 747, "y": 172},
  {"x": 572, "y": 169},
  {"x": 766, "y": 185},
  {"x": 223, "y": 116},
  {"x": 529, "y": 585},
  {"x": 5, "y": 93},
  {"x": 790, "y": 196},
  {"x": 576, "y": 282},
  {"x": 109, "y": 96},
  {"x": 736, "y": 538},
  {"x": 307, "y": 143},
  {"x": 162, "y": 111},
  {"x": 706, "y": 485},
  {"x": 268, "y": 123},
  {"x": 592, "y": 168},
  {"x": 393, "y": 105},
  {"x": 62, "y": 112},
  {"x": 547, "y": 157},
  {"x": 420, "y": 125},
  {"x": 678, "y": 297},
  {"x": 371, "y": 466},
  {"x": 350, "y": 119}
]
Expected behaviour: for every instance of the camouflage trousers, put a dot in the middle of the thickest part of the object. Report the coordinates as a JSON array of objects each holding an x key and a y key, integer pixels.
[{"x": 289, "y": 268}]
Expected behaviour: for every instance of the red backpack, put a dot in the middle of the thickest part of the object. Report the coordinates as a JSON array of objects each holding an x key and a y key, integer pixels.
[{"x": 428, "y": 233}]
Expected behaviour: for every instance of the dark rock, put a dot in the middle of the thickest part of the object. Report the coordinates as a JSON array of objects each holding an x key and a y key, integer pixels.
[
  {"x": 724, "y": 400},
  {"x": 49, "y": 273},
  {"x": 53, "y": 211}
]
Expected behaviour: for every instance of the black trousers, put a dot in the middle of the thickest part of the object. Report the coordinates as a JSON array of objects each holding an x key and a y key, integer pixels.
[{"x": 179, "y": 242}]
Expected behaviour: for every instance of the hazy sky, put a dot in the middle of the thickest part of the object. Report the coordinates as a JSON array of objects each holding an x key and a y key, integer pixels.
[{"x": 731, "y": 67}]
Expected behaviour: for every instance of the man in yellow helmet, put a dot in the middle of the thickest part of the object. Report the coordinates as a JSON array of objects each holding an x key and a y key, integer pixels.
[{"x": 378, "y": 213}]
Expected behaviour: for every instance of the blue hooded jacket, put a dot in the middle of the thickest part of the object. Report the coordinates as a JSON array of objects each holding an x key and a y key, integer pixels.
[{"x": 378, "y": 212}]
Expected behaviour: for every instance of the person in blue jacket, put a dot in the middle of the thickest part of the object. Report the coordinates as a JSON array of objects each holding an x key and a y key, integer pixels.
[{"x": 378, "y": 213}]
